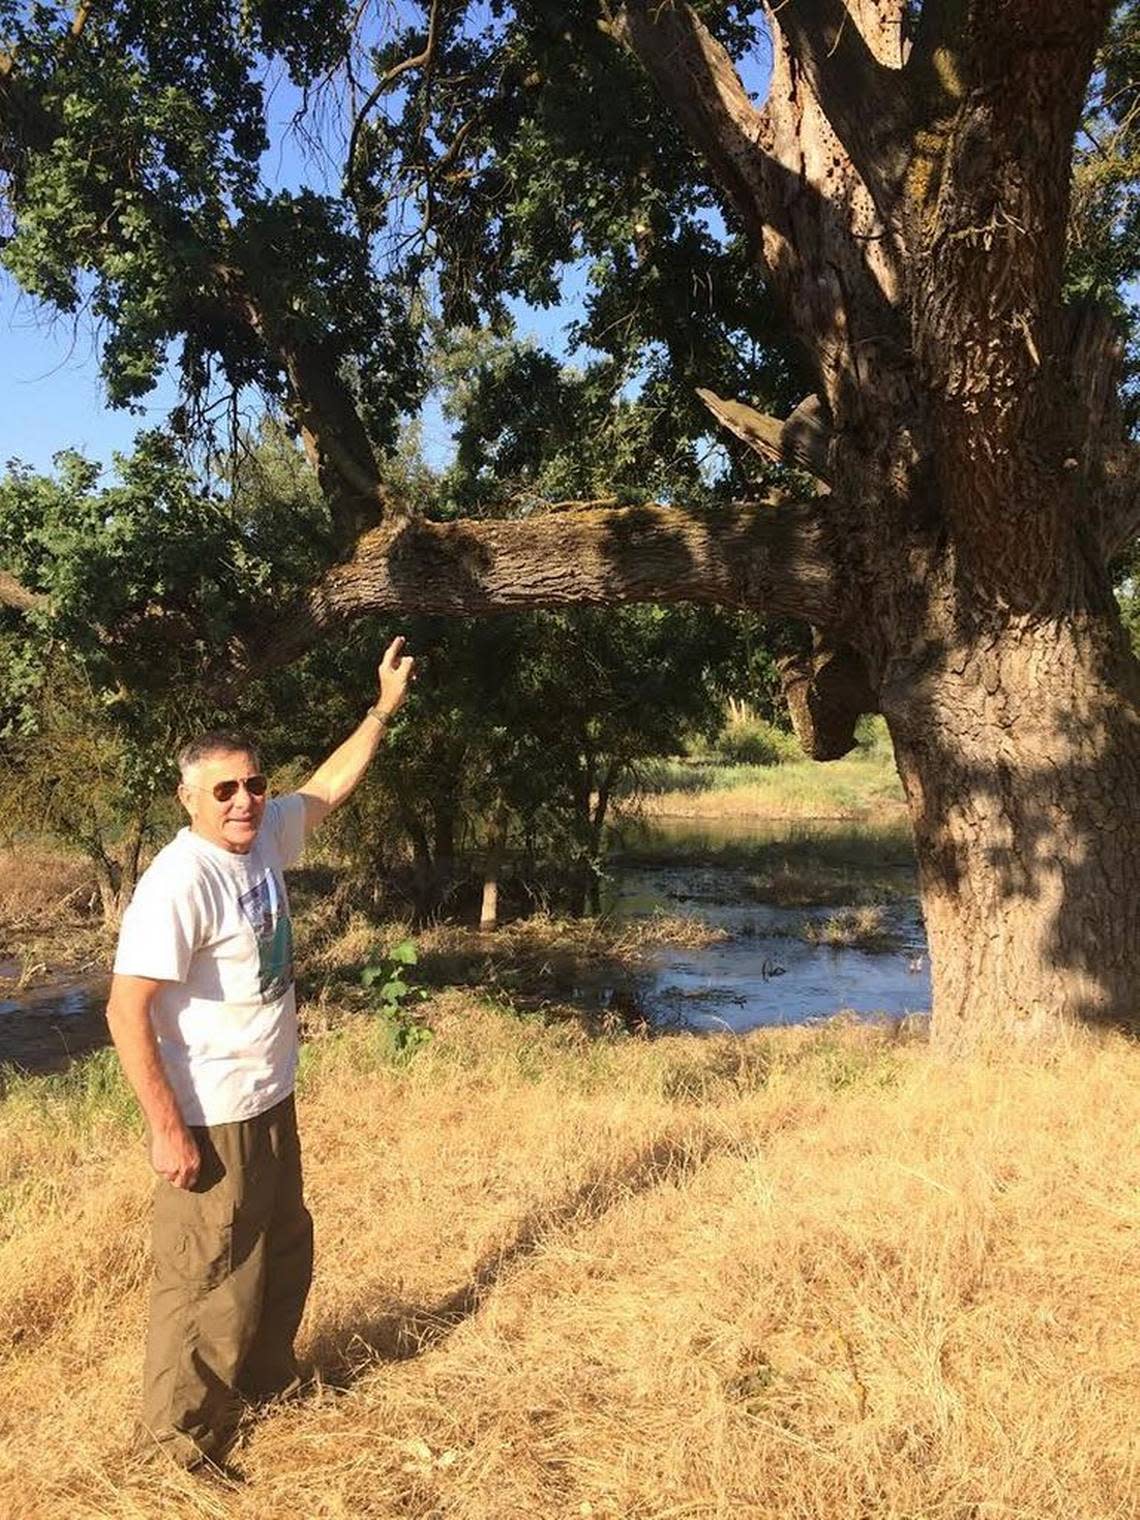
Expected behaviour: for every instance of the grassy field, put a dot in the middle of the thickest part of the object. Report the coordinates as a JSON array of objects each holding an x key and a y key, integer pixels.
[
  {"x": 797, "y": 1274},
  {"x": 861, "y": 785},
  {"x": 789, "y": 862}
]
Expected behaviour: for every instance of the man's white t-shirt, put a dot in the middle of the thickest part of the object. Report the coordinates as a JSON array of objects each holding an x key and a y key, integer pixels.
[{"x": 214, "y": 928}]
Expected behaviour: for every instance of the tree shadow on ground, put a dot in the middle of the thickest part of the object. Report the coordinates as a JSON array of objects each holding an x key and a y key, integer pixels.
[{"x": 344, "y": 1352}]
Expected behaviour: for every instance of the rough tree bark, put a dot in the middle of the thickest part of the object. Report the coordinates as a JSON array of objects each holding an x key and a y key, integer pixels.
[
  {"x": 778, "y": 557},
  {"x": 974, "y": 482}
]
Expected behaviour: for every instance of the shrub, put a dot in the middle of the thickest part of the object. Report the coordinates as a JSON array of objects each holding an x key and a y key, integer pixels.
[
  {"x": 753, "y": 741},
  {"x": 873, "y": 739}
]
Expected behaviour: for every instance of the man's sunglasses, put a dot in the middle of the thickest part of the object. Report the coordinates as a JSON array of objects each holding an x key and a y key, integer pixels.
[{"x": 223, "y": 791}]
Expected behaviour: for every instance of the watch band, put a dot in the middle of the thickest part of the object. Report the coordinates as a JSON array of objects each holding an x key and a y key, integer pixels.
[{"x": 378, "y": 716}]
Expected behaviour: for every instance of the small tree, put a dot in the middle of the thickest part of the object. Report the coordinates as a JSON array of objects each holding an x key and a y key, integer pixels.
[{"x": 124, "y": 650}]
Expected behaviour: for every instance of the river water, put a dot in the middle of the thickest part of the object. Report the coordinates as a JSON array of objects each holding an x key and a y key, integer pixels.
[
  {"x": 769, "y": 971},
  {"x": 46, "y": 1028}
]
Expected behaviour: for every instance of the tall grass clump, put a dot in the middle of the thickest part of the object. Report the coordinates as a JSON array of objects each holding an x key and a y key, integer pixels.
[
  {"x": 72, "y": 1106},
  {"x": 750, "y": 740}
]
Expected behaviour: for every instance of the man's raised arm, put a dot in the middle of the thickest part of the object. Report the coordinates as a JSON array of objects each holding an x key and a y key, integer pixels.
[{"x": 336, "y": 778}]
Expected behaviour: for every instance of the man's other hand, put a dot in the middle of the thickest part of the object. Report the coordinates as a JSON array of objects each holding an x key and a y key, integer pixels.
[
  {"x": 174, "y": 1155},
  {"x": 396, "y": 670}
]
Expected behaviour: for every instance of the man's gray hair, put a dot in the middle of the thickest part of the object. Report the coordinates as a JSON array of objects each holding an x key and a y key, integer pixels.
[{"x": 218, "y": 741}]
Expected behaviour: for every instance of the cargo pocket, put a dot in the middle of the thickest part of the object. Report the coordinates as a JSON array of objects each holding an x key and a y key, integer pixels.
[{"x": 193, "y": 1235}]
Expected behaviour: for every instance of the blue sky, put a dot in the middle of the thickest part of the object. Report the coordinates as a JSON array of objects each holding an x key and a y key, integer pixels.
[
  {"x": 51, "y": 394},
  {"x": 50, "y": 391}
]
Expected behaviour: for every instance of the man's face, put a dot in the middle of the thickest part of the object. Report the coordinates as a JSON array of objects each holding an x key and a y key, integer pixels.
[{"x": 232, "y": 824}]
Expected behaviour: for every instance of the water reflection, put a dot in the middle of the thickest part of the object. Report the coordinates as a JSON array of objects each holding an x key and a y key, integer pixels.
[
  {"x": 759, "y": 880},
  {"x": 46, "y": 1028},
  {"x": 766, "y": 883}
]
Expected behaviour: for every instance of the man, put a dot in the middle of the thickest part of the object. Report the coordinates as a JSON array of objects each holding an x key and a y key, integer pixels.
[{"x": 203, "y": 1016}]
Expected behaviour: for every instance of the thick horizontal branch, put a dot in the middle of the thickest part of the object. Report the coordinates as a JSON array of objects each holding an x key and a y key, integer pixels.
[
  {"x": 866, "y": 103},
  {"x": 771, "y": 558}
]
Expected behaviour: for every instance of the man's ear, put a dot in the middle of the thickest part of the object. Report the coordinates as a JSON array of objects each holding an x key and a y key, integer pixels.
[{"x": 184, "y": 796}]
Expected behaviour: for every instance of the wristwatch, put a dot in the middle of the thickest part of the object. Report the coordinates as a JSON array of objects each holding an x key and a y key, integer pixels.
[{"x": 380, "y": 716}]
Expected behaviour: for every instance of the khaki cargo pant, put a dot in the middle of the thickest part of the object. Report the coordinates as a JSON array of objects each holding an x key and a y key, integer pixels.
[{"x": 233, "y": 1258}]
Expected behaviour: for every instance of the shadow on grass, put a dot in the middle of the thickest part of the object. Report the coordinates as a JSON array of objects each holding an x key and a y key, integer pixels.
[
  {"x": 342, "y": 1354},
  {"x": 837, "y": 1057}
]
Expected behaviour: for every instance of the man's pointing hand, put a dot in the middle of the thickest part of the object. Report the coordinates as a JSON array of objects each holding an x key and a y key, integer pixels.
[{"x": 396, "y": 671}]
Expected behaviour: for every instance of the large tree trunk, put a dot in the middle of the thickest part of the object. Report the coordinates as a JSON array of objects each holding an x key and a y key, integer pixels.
[
  {"x": 914, "y": 229},
  {"x": 906, "y": 189},
  {"x": 1013, "y": 702},
  {"x": 1020, "y": 755}
]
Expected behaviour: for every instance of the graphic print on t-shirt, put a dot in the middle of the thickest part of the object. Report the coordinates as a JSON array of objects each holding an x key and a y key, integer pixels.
[{"x": 263, "y": 907}]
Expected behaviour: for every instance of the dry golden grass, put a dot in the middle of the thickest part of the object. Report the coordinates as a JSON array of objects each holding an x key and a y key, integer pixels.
[
  {"x": 760, "y": 802},
  {"x": 542, "y": 935},
  {"x": 49, "y": 913},
  {"x": 518, "y": 941},
  {"x": 536, "y": 962},
  {"x": 802, "y": 1274},
  {"x": 864, "y": 927},
  {"x": 36, "y": 883}
]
